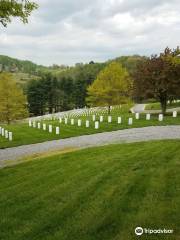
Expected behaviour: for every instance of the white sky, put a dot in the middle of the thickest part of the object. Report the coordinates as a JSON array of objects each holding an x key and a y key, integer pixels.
[{"x": 71, "y": 31}]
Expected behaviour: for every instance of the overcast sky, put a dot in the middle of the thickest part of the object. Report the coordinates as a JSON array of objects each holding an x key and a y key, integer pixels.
[{"x": 71, "y": 31}]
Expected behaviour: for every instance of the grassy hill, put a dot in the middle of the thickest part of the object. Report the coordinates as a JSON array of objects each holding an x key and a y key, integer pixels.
[
  {"x": 99, "y": 193},
  {"x": 22, "y": 71},
  {"x": 16, "y": 65}
]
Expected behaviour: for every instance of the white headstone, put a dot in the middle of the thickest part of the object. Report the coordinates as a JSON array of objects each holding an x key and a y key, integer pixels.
[
  {"x": 10, "y": 136},
  {"x": 119, "y": 120},
  {"x": 174, "y": 114},
  {"x": 79, "y": 122},
  {"x": 6, "y": 134},
  {"x": 50, "y": 128},
  {"x": 57, "y": 130},
  {"x": 87, "y": 123},
  {"x": 66, "y": 121},
  {"x": 96, "y": 125},
  {"x": 60, "y": 120},
  {"x": 137, "y": 115},
  {"x": 130, "y": 121},
  {"x": 44, "y": 126},
  {"x": 101, "y": 119},
  {"x": 148, "y": 116},
  {"x": 2, "y": 132},
  {"x": 39, "y": 125},
  {"x": 109, "y": 119},
  {"x": 34, "y": 124},
  {"x": 160, "y": 117},
  {"x": 30, "y": 123},
  {"x": 94, "y": 117},
  {"x": 72, "y": 121}
]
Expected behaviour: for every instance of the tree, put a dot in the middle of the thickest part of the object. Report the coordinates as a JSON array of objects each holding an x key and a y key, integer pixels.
[
  {"x": 37, "y": 97},
  {"x": 15, "y": 8},
  {"x": 112, "y": 86},
  {"x": 12, "y": 100},
  {"x": 159, "y": 77},
  {"x": 66, "y": 86}
]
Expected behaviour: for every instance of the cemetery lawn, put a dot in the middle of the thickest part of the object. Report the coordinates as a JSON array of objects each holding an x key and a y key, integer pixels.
[
  {"x": 157, "y": 106},
  {"x": 23, "y": 134},
  {"x": 93, "y": 194}
]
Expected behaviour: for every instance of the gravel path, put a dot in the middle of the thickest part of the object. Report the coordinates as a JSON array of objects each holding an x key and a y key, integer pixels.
[
  {"x": 170, "y": 110},
  {"x": 120, "y": 136},
  {"x": 138, "y": 108}
]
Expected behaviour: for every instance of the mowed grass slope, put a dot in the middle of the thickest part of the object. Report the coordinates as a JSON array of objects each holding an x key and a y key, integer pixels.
[
  {"x": 93, "y": 194},
  {"x": 23, "y": 134}
]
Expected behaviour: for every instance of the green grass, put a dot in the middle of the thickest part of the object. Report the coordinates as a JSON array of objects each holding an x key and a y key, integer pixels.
[
  {"x": 25, "y": 135},
  {"x": 157, "y": 106},
  {"x": 23, "y": 78},
  {"x": 93, "y": 194}
]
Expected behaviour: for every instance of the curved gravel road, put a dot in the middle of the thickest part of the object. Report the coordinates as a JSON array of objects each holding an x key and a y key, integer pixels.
[
  {"x": 120, "y": 136},
  {"x": 138, "y": 108}
]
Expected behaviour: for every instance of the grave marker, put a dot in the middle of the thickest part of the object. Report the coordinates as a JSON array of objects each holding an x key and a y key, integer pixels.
[
  {"x": 57, "y": 130},
  {"x": 130, "y": 121},
  {"x": 101, "y": 119},
  {"x": 137, "y": 116},
  {"x": 30, "y": 123},
  {"x": 50, "y": 128},
  {"x": 119, "y": 120},
  {"x": 39, "y": 125},
  {"x": 79, "y": 122},
  {"x": 2, "y": 132},
  {"x": 160, "y": 117},
  {"x": 109, "y": 119},
  {"x": 6, "y": 134},
  {"x": 72, "y": 121},
  {"x": 148, "y": 116},
  {"x": 66, "y": 121},
  {"x": 96, "y": 125},
  {"x": 174, "y": 114},
  {"x": 44, "y": 126},
  {"x": 87, "y": 123},
  {"x": 10, "y": 136}
]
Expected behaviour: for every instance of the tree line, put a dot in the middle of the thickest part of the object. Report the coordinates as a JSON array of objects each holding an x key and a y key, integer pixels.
[
  {"x": 65, "y": 91},
  {"x": 95, "y": 84}
]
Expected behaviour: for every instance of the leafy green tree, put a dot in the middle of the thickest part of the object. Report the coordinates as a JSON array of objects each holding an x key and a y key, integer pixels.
[
  {"x": 112, "y": 86},
  {"x": 159, "y": 77},
  {"x": 12, "y": 100},
  {"x": 15, "y": 8}
]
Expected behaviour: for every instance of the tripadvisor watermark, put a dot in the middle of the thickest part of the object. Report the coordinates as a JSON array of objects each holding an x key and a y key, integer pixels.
[{"x": 140, "y": 231}]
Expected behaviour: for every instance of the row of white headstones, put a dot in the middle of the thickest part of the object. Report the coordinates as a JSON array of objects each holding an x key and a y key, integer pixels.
[
  {"x": 72, "y": 122},
  {"x": 160, "y": 118},
  {"x": 35, "y": 124},
  {"x": 5, "y": 133}
]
